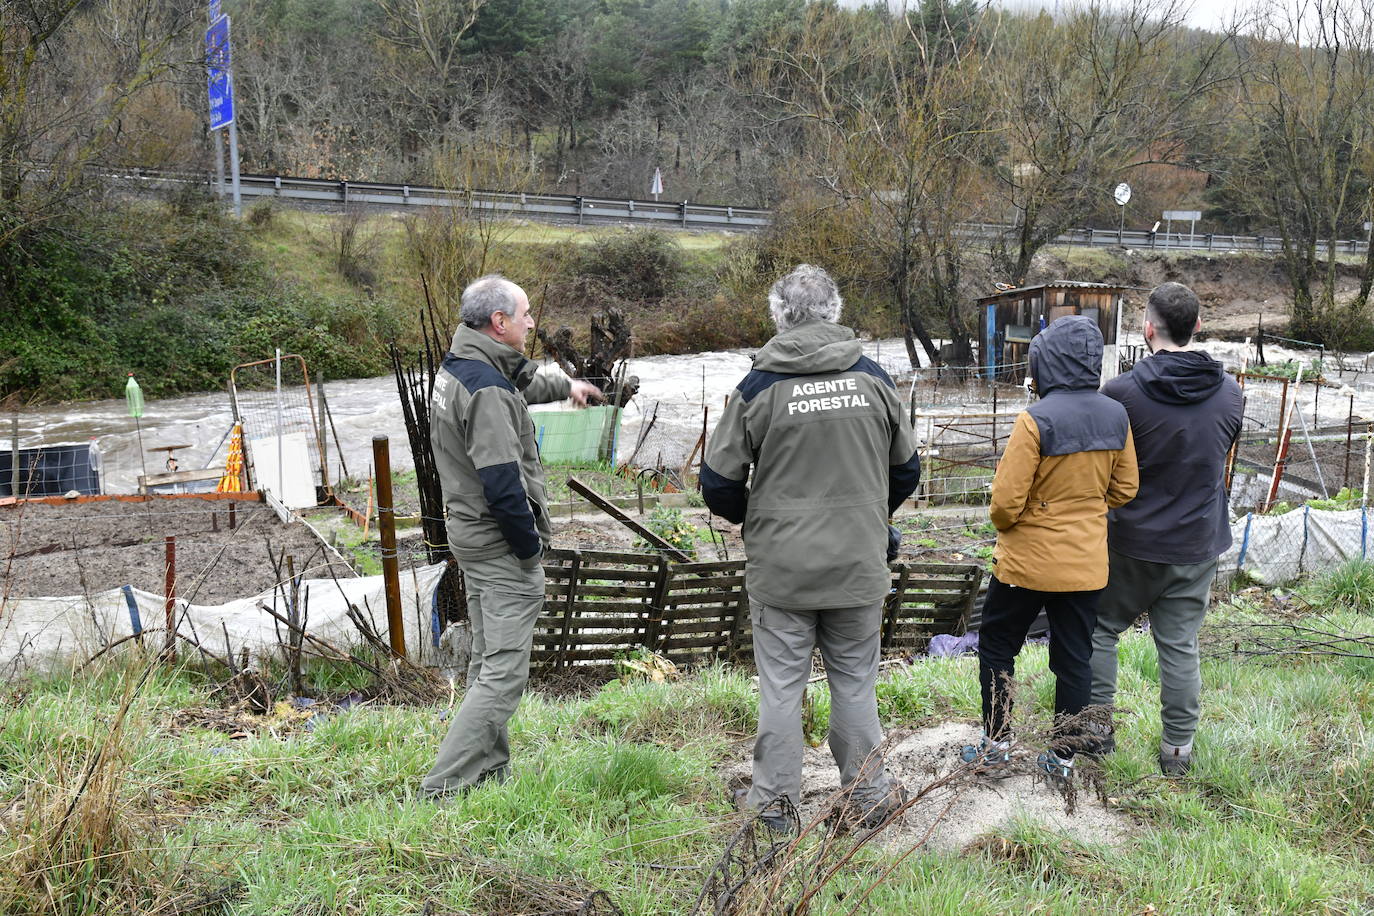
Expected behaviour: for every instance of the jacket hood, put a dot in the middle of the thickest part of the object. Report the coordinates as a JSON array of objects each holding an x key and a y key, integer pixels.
[
  {"x": 810, "y": 348},
  {"x": 472, "y": 344},
  {"x": 1067, "y": 356},
  {"x": 1178, "y": 376}
]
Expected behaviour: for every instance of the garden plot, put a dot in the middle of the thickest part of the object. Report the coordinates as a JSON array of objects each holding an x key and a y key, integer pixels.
[{"x": 83, "y": 547}]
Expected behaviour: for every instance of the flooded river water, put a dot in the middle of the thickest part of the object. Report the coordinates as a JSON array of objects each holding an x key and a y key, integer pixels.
[{"x": 680, "y": 386}]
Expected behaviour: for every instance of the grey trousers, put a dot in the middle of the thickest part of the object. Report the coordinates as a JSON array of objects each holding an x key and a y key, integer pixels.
[
  {"x": 1176, "y": 599},
  {"x": 504, "y": 601},
  {"x": 849, "y": 644}
]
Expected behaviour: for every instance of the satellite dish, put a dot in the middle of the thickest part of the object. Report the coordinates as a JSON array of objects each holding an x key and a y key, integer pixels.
[{"x": 1122, "y": 194}]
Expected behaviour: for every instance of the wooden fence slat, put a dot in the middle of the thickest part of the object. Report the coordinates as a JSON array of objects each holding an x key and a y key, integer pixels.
[
  {"x": 589, "y": 574},
  {"x": 609, "y": 607},
  {"x": 578, "y": 624},
  {"x": 627, "y": 557},
  {"x": 604, "y": 655},
  {"x": 691, "y": 569},
  {"x": 697, "y": 642},
  {"x": 727, "y": 598},
  {"x": 616, "y": 591},
  {"x": 706, "y": 584}
]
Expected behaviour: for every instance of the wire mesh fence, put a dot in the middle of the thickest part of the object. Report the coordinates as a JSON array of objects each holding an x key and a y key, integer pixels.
[
  {"x": 283, "y": 436},
  {"x": 53, "y": 470}
]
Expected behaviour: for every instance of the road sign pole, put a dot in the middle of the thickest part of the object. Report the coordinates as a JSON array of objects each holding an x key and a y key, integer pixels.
[
  {"x": 234, "y": 159},
  {"x": 218, "y": 142}
]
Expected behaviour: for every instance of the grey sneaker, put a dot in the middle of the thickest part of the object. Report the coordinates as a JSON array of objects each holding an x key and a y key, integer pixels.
[
  {"x": 1175, "y": 762},
  {"x": 988, "y": 756},
  {"x": 1055, "y": 766}
]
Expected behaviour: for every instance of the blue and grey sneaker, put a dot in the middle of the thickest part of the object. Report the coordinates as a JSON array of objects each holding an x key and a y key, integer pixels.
[
  {"x": 988, "y": 755},
  {"x": 1055, "y": 766}
]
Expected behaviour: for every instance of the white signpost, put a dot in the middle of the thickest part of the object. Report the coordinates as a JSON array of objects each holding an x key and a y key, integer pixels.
[
  {"x": 1190, "y": 216},
  {"x": 656, "y": 186},
  {"x": 1122, "y": 195}
]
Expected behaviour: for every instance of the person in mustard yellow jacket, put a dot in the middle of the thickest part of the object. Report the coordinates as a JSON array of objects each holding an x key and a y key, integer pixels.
[{"x": 1070, "y": 458}]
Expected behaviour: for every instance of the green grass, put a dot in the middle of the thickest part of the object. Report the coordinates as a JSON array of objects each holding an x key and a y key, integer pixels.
[
  {"x": 1350, "y": 586},
  {"x": 617, "y": 789}
]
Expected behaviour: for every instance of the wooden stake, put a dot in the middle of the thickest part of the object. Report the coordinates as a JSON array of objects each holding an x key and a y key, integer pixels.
[
  {"x": 386, "y": 528},
  {"x": 169, "y": 650}
]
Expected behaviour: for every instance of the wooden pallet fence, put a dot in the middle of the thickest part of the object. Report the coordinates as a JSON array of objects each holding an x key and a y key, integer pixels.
[
  {"x": 704, "y": 612},
  {"x": 928, "y": 599},
  {"x": 598, "y": 605},
  {"x": 604, "y": 605}
]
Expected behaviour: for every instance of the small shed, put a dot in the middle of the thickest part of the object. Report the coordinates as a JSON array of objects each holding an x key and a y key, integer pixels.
[{"x": 1008, "y": 320}]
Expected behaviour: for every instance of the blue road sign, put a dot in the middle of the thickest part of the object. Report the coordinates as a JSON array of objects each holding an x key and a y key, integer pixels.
[
  {"x": 221, "y": 85},
  {"x": 217, "y": 43},
  {"x": 214, "y": 10},
  {"x": 221, "y": 99}
]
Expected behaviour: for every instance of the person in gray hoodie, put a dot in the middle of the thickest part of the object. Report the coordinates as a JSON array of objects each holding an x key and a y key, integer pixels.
[
  {"x": 1185, "y": 414},
  {"x": 832, "y": 455},
  {"x": 498, "y": 521}
]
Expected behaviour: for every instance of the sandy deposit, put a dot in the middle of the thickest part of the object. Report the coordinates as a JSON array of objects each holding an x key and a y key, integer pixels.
[{"x": 952, "y": 817}]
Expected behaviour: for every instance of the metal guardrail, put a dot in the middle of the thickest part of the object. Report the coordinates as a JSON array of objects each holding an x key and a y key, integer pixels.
[
  {"x": 560, "y": 208},
  {"x": 581, "y": 210}
]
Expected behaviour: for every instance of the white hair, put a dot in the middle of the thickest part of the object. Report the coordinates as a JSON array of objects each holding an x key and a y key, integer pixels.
[
  {"x": 485, "y": 296},
  {"x": 806, "y": 294}
]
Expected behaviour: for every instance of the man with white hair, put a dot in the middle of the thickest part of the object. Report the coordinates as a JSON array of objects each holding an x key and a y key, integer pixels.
[
  {"x": 833, "y": 455},
  {"x": 498, "y": 520}
]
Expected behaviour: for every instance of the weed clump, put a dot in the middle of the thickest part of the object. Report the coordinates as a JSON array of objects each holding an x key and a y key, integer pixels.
[{"x": 1350, "y": 586}]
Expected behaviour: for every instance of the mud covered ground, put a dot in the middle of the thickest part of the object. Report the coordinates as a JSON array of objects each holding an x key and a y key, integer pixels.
[
  {"x": 75, "y": 548},
  {"x": 966, "y": 805}
]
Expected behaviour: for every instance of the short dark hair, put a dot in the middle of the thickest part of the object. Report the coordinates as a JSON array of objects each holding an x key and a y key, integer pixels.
[{"x": 1177, "y": 307}]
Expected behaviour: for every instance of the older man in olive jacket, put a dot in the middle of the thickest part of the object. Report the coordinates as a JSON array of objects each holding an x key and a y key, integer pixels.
[{"x": 498, "y": 520}]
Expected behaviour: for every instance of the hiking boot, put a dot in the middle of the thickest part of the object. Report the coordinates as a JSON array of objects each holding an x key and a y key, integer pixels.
[
  {"x": 1098, "y": 740},
  {"x": 1055, "y": 766},
  {"x": 991, "y": 757},
  {"x": 772, "y": 816},
  {"x": 870, "y": 807},
  {"x": 1175, "y": 761}
]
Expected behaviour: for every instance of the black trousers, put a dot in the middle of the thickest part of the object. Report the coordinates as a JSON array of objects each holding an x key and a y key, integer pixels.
[{"x": 1008, "y": 613}]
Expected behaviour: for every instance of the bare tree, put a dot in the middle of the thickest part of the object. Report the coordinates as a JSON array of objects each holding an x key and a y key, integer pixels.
[
  {"x": 69, "y": 74},
  {"x": 895, "y": 119},
  {"x": 1079, "y": 100},
  {"x": 426, "y": 61},
  {"x": 1304, "y": 164},
  {"x": 702, "y": 118}
]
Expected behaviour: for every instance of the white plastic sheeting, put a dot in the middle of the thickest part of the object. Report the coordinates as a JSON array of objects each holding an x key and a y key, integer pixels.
[
  {"x": 1279, "y": 548},
  {"x": 43, "y": 634}
]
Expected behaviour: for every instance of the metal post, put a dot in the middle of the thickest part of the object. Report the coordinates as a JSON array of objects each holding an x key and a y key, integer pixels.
[
  {"x": 234, "y": 156},
  {"x": 1364, "y": 487},
  {"x": 219, "y": 162},
  {"x": 322, "y": 433},
  {"x": 170, "y": 587},
  {"x": 14, "y": 458},
  {"x": 281, "y": 465},
  {"x": 386, "y": 528},
  {"x": 1349, "y": 433}
]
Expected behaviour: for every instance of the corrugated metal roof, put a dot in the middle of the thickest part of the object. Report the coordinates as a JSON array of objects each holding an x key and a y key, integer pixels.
[{"x": 1056, "y": 284}]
